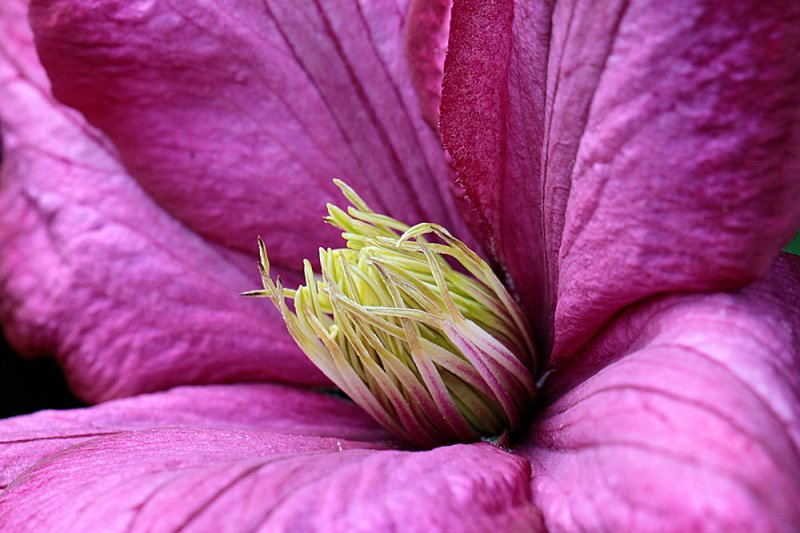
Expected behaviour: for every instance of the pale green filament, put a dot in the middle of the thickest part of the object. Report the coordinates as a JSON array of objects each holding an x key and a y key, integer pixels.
[{"x": 434, "y": 354}]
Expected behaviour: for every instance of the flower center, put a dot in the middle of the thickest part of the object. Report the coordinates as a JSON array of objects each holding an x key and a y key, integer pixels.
[{"x": 434, "y": 353}]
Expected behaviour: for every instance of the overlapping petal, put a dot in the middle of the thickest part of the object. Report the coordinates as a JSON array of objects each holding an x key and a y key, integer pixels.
[
  {"x": 92, "y": 270},
  {"x": 623, "y": 150},
  {"x": 236, "y": 117},
  {"x": 162, "y": 462},
  {"x": 694, "y": 426}
]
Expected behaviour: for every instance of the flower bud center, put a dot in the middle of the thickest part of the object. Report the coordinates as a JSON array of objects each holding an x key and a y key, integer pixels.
[{"x": 436, "y": 354}]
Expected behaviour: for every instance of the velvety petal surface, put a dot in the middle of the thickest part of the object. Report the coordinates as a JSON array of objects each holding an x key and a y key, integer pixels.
[
  {"x": 252, "y": 458},
  {"x": 628, "y": 149},
  {"x": 92, "y": 270},
  {"x": 694, "y": 425},
  {"x": 235, "y": 117}
]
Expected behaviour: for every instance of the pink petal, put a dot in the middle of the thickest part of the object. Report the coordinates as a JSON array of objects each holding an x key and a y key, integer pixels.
[
  {"x": 628, "y": 150},
  {"x": 25, "y": 440},
  {"x": 695, "y": 426},
  {"x": 128, "y": 298},
  {"x": 236, "y": 117},
  {"x": 426, "y": 44},
  {"x": 230, "y": 471}
]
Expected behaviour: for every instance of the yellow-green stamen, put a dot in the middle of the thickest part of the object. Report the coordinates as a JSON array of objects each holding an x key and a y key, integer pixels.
[{"x": 435, "y": 354}]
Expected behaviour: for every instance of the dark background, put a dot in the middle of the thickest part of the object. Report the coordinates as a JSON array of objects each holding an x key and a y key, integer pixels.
[{"x": 31, "y": 385}]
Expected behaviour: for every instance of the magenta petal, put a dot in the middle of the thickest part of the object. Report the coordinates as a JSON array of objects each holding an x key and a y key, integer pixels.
[
  {"x": 426, "y": 43},
  {"x": 236, "y": 116},
  {"x": 234, "y": 471},
  {"x": 25, "y": 440},
  {"x": 492, "y": 125},
  {"x": 92, "y": 270},
  {"x": 696, "y": 427},
  {"x": 641, "y": 147}
]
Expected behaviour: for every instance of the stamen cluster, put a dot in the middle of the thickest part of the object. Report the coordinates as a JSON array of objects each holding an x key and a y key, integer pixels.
[{"x": 436, "y": 354}]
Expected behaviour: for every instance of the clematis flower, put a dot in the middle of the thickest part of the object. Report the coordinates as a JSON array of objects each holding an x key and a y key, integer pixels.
[{"x": 630, "y": 169}]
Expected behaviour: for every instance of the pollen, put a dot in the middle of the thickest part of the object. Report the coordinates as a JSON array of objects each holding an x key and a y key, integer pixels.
[{"x": 413, "y": 326}]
